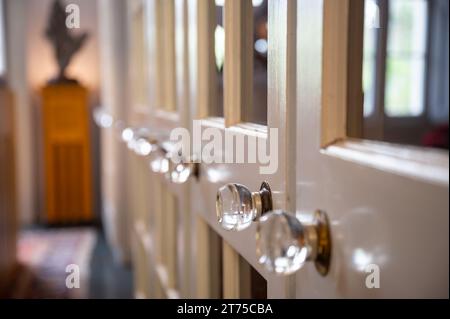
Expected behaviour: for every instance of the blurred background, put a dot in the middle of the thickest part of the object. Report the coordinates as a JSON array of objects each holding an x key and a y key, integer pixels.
[{"x": 51, "y": 152}]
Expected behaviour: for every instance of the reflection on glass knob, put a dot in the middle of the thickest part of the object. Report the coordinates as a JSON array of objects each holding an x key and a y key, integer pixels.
[
  {"x": 102, "y": 118},
  {"x": 160, "y": 157},
  {"x": 142, "y": 146},
  {"x": 138, "y": 139},
  {"x": 180, "y": 172},
  {"x": 141, "y": 142},
  {"x": 181, "y": 168},
  {"x": 237, "y": 207},
  {"x": 284, "y": 243},
  {"x": 127, "y": 134},
  {"x": 159, "y": 161}
]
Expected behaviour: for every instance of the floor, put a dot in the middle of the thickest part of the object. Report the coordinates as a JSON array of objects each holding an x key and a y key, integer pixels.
[
  {"x": 109, "y": 280},
  {"x": 44, "y": 254}
]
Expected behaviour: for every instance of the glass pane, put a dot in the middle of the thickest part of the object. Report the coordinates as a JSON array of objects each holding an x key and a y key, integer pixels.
[
  {"x": 405, "y": 72},
  {"x": 258, "y": 113},
  {"x": 404, "y": 86},
  {"x": 371, "y": 16},
  {"x": 219, "y": 53},
  {"x": 2, "y": 41},
  {"x": 406, "y": 56}
]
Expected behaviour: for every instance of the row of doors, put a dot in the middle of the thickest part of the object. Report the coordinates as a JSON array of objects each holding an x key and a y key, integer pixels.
[{"x": 387, "y": 205}]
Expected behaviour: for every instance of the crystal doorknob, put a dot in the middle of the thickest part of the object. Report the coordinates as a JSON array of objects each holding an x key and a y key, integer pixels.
[
  {"x": 159, "y": 161},
  {"x": 237, "y": 207},
  {"x": 160, "y": 158},
  {"x": 180, "y": 167},
  {"x": 102, "y": 118},
  {"x": 284, "y": 244},
  {"x": 180, "y": 172},
  {"x": 139, "y": 140}
]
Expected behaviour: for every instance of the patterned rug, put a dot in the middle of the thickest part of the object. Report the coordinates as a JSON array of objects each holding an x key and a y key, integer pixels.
[{"x": 43, "y": 257}]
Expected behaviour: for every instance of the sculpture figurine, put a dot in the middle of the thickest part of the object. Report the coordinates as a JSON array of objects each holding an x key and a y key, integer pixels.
[{"x": 65, "y": 44}]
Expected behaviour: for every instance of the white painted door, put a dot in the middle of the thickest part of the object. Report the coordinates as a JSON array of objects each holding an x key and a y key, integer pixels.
[
  {"x": 387, "y": 204},
  {"x": 224, "y": 262},
  {"x": 159, "y": 208}
]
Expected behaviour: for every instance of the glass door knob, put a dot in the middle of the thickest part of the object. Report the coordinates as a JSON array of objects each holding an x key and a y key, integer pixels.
[
  {"x": 139, "y": 140},
  {"x": 179, "y": 172},
  {"x": 161, "y": 157},
  {"x": 159, "y": 161},
  {"x": 284, "y": 244},
  {"x": 181, "y": 167},
  {"x": 237, "y": 207},
  {"x": 102, "y": 118}
]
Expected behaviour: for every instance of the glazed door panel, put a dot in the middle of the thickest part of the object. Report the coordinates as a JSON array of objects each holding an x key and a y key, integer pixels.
[{"x": 387, "y": 204}]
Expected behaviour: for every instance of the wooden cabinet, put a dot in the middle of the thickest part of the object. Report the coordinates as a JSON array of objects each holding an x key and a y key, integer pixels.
[{"x": 68, "y": 180}]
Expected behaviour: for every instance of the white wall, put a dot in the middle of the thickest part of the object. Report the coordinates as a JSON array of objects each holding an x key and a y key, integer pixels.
[
  {"x": 16, "y": 78},
  {"x": 41, "y": 63},
  {"x": 113, "y": 50}
]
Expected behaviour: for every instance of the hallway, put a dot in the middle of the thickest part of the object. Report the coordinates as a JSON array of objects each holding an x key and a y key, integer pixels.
[
  {"x": 109, "y": 279},
  {"x": 44, "y": 253}
]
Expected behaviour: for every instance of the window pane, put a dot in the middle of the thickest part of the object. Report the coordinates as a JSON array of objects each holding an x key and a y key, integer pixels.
[
  {"x": 249, "y": 46},
  {"x": 405, "y": 86},
  {"x": 405, "y": 72},
  {"x": 371, "y": 18},
  {"x": 219, "y": 51},
  {"x": 259, "y": 110},
  {"x": 406, "y": 54}
]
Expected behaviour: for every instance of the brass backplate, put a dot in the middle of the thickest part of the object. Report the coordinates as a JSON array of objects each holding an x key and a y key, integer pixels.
[
  {"x": 266, "y": 197},
  {"x": 323, "y": 258}
]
